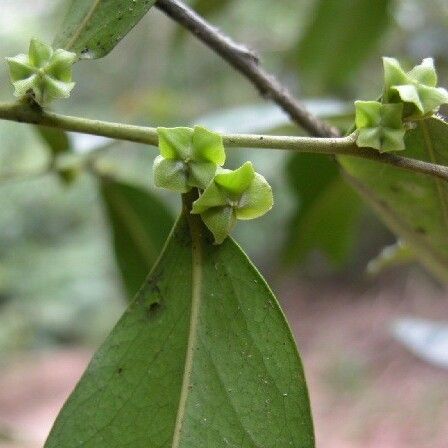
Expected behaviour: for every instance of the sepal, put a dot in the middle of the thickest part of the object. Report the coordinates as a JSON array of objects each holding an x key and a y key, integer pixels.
[
  {"x": 170, "y": 174},
  {"x": 239, "y": 194},
  {"x": 220, "y": 221},
  {"x": 380, "y": 126},
  {"x": 193, "y": 155},
  {"x": 43, "y": 74},
  {"x": 418, "y": 87}
]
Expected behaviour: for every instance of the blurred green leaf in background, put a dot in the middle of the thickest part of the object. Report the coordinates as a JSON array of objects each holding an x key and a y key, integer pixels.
[
  {"x": 58, "y": 143},
  {"x": 339, "y": 38},
  {"x": 328, "y": 211},
  {"x": 413, "y": 205},
  {"x": 140, "y": 224}
]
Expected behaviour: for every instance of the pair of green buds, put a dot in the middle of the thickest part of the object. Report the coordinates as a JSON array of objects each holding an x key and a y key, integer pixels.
[
  {"x": 409, "y": 95},
  {"x": 43, "y": 74},
  {"x": 192, "y": 158}
]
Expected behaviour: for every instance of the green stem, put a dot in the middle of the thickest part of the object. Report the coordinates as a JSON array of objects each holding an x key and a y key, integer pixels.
[
  {"x": 25, "y": 114},
  {"x": 147, "y": 135}
]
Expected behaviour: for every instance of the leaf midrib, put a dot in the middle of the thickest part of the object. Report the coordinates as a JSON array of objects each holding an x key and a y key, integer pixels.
[
  {"x": 196, "y": 296},
  {"x": 83, "y": 23}
]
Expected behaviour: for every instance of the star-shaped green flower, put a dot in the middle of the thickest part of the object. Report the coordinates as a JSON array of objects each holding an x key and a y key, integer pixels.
[
  {"x": 240, "y": 194},
  {"x": 380, "y": 126},
  {"x": 417, "y": 87},
  {"x": 43, "y": 73},
  {"x": 188, "y": 158}
]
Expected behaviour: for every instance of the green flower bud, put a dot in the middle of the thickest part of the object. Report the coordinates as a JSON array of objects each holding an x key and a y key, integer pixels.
[
  {"x": 44, "y": 74},
  {"x": 188, "y": 158},
  {"x": 240, "y": 194},
  {"x": 416, "y": 87},
  {"x": 380, "y": 126}
]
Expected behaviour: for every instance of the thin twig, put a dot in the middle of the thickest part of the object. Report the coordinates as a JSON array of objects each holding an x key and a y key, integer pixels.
[
  {"x": 246, "y": 62},
  {"x": 147, "y": 135}
]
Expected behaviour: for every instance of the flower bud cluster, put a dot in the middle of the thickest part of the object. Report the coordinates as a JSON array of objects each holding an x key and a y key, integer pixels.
[
  {"x": 192, "y": 158},
  {"x": 408, "y": 96},
  {"x": 43, "y": 74}
]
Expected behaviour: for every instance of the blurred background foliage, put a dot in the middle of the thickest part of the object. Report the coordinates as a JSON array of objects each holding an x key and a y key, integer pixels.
[{"x": 65, "y": 238}]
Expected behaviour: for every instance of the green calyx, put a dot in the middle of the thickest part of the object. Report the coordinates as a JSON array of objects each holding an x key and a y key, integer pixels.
[
  {"x": 188, "y": 158},
  {"x": 407, "y": 96},
  {"x": 417, "y": 87},
  {"x": 232, "y": 195},
  {"x": 380, "y": 126},
  {"x": 192, "y": 158},
  {"x": 43, "y": 74}
]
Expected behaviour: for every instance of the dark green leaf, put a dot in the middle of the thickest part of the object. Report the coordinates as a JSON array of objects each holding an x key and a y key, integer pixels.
[
  {"x": 140, "y": 224},
  {"x": 328, "y": 211},
  {"x": 92, "y": 28},
  {"x": 414, "y": 206},
  {"x": 340, "y": 36},
  {"x": 202, "y": 358}
]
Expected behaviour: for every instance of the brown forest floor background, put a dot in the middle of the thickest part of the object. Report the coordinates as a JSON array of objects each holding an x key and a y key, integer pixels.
[{"x": 367, "y": 390}]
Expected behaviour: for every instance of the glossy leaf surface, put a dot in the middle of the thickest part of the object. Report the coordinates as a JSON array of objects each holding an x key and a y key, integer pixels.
[
  {"x": 92, "y": 28},
  {"x": 414, "y": 206},
  {"x": 140, "y": 224},
  {"x": 202, "y": 358}
]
